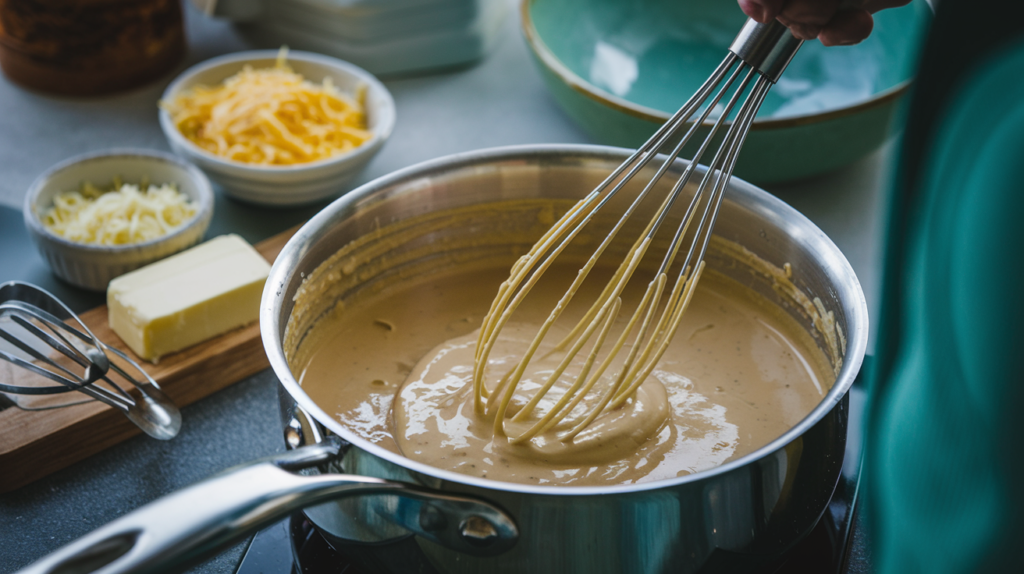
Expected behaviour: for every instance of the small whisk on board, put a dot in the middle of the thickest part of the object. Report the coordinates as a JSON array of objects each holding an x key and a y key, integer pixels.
[
  {"x": 735, "y": 91},
  {"x": 45, "y": 337}
]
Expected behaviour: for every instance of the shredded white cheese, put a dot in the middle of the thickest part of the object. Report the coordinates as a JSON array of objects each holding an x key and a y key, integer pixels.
[
  {"x": 123, "y": 216},
  {"x": 271, "y": 116}
]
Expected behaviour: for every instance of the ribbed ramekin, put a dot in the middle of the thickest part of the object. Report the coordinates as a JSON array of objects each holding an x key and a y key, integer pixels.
[{"x": 93, "y": 266}]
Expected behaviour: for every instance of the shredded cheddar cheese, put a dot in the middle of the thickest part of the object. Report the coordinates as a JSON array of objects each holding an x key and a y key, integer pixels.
[
  {"x": 124, "y": 216},
  {"x": 271, "y": 116}
]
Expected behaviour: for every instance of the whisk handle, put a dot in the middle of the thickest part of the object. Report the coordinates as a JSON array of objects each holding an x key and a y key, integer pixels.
[{"x": 768, "y": 48}]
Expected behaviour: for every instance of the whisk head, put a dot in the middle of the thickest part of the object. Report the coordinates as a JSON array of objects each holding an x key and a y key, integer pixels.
[
  {"x": 575, "y": 391},
  {"x": 40, "y": 334}
]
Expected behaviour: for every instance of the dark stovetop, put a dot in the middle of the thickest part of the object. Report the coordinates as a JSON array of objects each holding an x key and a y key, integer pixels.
[{"x": 294, "y": 546}]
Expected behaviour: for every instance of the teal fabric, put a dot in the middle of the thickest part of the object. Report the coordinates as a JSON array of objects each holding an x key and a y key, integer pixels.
[{"x": 945, "y": 437}]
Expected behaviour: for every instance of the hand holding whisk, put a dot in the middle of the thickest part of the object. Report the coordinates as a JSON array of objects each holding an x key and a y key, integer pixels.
[{"x": 754, "y": 63}]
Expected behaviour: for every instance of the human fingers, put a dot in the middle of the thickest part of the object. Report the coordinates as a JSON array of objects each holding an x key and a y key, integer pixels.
[
  {"x": 762, "y": 11},
  {"x": 847, "y": 27},
  {"x": 873, "y": 6},
  {"x": 806, "y": 18},
  {"x": 833, "y": 22},
  {"x": 850, "y": 26}
]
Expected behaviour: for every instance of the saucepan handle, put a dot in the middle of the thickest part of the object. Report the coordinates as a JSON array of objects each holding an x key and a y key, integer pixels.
[{"x": 185, "y": 527}]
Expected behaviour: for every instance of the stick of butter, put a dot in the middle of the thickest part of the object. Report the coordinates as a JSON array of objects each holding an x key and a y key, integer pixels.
[{"x": 187, "y": 298}]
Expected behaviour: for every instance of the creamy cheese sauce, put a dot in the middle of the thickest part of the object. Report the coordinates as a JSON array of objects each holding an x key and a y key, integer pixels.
[{"x": 397, "y": 370}]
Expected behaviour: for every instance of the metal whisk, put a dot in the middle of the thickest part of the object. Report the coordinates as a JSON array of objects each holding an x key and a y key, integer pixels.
[
  {"x": 48, "y": 339},
  {"x": 754, "y": 63}
]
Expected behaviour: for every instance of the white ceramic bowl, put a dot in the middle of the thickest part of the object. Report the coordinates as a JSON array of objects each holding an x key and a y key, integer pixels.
[
  {"x": 93, "y": 266},
  {"x": 285, "y": 185}
]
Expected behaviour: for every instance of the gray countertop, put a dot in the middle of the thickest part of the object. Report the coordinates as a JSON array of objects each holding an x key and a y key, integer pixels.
[{"x": 500, "y": 101}]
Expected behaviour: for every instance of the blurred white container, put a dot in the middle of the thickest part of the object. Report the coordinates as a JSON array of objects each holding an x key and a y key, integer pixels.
[
  {"x": 93, "y": 266},
  {"x": 379, "y": 23},
  {"x": 382, "y": 36}
]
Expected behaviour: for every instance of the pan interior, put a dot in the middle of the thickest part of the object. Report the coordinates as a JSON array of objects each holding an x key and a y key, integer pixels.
[{"x": 475, "y": 231}]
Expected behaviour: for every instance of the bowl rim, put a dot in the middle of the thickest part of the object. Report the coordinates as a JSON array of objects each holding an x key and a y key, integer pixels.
[
  {"x": 622, "y": 105},
  {"x": 381, "y": 132},
  {"x": 205, "y": 199},
  {"x": 272, "y": 325}
]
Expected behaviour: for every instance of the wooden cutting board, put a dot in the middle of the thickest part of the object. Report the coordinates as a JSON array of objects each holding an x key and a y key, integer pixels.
[{"x": 36, "y": 443}]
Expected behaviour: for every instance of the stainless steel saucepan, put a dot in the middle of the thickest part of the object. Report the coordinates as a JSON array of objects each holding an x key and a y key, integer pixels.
[{"x": 731, "y": 518}]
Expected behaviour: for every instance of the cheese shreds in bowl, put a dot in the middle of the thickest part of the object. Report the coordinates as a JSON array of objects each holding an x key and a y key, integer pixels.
[
  {"x": 127, "y": 215},
  {"x": 271, "y": 116}
]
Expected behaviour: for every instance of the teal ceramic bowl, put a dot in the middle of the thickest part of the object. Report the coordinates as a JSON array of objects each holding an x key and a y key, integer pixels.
[{"x": 621, "y": 68}]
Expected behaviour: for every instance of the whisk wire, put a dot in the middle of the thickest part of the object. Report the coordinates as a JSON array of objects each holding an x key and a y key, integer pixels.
[
  {"x": 538, "y": 260},
  {"x": 655, "y": 223},
  {"x": 583, "y": 207},
  {"x": 17, "y": 312},
  {"x": 599, "y": 309},
  {"x": 721, "y": 170},
  {"x": 568, "y": 401},
  {"x": 756, "y": 59},
  {"x": 32, "y": 314},
  {"x": 662, "y": 212}
]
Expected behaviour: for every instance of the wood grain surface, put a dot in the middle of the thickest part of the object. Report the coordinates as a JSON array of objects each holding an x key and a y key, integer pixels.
[{"x": 38, "y": 442}]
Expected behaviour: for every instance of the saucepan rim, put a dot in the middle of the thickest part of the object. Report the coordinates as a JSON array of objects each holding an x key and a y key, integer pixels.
[{"x": 283, "y": 271}]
